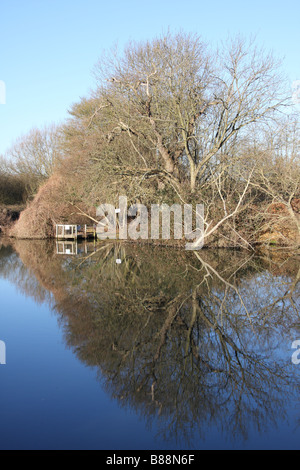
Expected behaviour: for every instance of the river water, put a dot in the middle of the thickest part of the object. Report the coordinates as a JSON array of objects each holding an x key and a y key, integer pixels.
[{"x": 118, "y": 347}]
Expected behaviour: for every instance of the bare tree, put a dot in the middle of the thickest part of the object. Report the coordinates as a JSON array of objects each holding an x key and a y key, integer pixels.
[
  {"x": 180, "y": 104},
  {"x": 173, "y": 120},
  {"x": 34, "y": 156},
  {"x": 277, "y": 178}
]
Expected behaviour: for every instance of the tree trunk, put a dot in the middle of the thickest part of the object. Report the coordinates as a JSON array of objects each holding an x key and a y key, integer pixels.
[{"x": 193, "y": 178}]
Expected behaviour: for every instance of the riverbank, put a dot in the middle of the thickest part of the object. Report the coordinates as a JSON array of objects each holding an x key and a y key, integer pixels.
[{"x": 272, "y": 226}]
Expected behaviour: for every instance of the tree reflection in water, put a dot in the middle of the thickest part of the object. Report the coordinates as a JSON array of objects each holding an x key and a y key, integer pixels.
[{"x": 190, "y": 339}]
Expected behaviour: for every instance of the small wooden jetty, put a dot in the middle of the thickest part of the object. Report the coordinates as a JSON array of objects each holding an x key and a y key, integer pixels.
[
  {"x": 75, "y": 232},
  {"x": 66, "y": 248},
  {"x": 73, "y": 248}
]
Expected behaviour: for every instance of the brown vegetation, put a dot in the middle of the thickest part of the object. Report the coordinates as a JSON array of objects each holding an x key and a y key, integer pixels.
[
  {"x": 172, "y": 122},
  {"x": 48, "y": 208}
]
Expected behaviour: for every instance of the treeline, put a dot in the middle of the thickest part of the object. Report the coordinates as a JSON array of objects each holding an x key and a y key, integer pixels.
[
  {"x": 28, "y": 164},
  {"x": 173, "y": 121},
  {"x": 12, "y": 189}
]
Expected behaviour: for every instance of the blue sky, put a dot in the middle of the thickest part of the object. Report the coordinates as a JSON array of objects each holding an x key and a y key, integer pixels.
[{"x": 49, "y": 47}]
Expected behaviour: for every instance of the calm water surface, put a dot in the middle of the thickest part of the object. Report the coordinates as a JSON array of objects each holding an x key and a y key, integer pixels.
[{"x": 166, "y": 350}]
